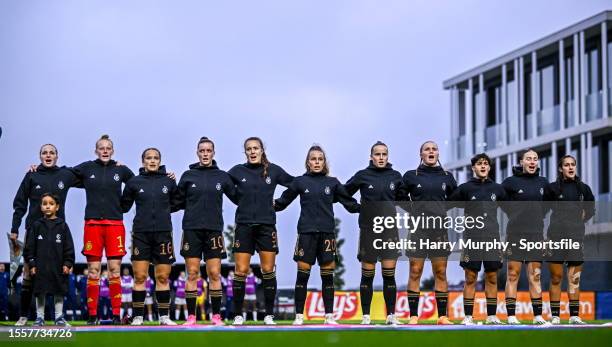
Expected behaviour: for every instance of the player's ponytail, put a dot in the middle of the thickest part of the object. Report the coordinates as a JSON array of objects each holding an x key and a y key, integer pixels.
[{"x": 266, "y": 164}]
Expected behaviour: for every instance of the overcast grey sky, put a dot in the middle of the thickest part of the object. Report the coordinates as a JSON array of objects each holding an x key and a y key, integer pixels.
[{"x": 164, "y": 73}]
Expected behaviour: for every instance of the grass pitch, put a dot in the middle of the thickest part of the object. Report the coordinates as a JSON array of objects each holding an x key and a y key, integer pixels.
[{"x": 313, "y": 334}]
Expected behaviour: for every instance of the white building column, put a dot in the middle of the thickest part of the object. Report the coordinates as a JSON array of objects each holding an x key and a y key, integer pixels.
[
  {"x": 509, "y": 163},
  {"x": 554, "y": 159},
  {"x": 521, "y": 100},
  {"x": 562, "y": 85},
  {"x": 604, "y": 68},
  {"x": 589, "y": 158},
  {"x": 515, "y": 160},
  {"x": 583, "y": 156},
  {"x": 568, "y": 146},
  {"x": 480, "y": 116},
  {"x": 469, "y": 111},
  {"x": 504, "y": 108},
  {"x": 577, "y": 98},
  {"x": 453, "y": 124},
  {"x": 535, "y": 101},
  {"x": 583, "y": 81},
  {"x": 498, "y": 170},
  {"x": 517, "y": 92}
]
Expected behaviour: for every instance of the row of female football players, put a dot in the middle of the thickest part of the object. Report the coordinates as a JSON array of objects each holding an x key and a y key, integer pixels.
[{"x": 251, "y": 187}]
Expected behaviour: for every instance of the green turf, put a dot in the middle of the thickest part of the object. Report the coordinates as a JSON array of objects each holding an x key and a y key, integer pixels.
[
  {"x": 288, "y": 322},
  {"x": 540, "y": 338}
]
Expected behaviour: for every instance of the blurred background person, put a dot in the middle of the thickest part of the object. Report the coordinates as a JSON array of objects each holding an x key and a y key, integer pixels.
[
  {"x": 104, "y": 308},
  {"x": 229, "y": 293},
  {"x": 250, "y": 296},
  {"x": 127, "y": 284}
]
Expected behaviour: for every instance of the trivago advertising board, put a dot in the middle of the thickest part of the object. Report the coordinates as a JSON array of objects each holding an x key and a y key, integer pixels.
[{"x": 347, "y": 306}]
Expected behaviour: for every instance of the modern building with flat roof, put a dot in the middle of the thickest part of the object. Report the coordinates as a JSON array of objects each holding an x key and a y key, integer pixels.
[{"x": 553, "y": 95}]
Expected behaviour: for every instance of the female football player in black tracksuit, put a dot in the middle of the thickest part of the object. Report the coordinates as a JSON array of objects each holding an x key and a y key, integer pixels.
[
  {"x": 573, "y": 206},
  {"x": 525, "y": 223},
  {"x": 201, "y": 190},
  {"x": 255, "y": 230},
  {"x": 377, "y": 185},
  {"x": 104, "y": 232},
  {"x": 480, "y": 195},
  {"x": 429, "y": 185},
  {"x": 154, "y": 193},
  {"x": 48, "y": 178},
  {"x": 316, "y": 228}
]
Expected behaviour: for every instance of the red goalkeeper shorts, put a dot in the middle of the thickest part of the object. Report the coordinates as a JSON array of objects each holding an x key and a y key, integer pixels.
[{"x": 104, "y": 235}]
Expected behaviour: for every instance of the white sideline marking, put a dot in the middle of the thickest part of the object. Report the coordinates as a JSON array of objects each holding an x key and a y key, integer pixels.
[{"x": 318, "y": 327}]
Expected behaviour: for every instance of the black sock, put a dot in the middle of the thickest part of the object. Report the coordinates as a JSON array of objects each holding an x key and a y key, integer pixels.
[
  {"x": 389, "y": 288},
  {"x": 468, "y": 306},
  {"x": 365, "y": 289},
  {"x": 238, "y": 286},
  {"x": 511, "y": 306},
  {"x": 327, "y": 282},
  {"x": 138, "y": 299},
  {"x": 26, "y": 297},
  {"x": 215, "y": 300},
  {"x": 441, "y": 302},
  {"x": 301, "y": 286},
  {"x": 191, "y": 298},
  {"x": 555, "y": 308},
  {"x": 269, "y": 286},
  {"x": 536, "y": 303},
  {"x": 574, "y": 306},
  {"x": 413, "y": 303},
  {"x": 491, "y": 306},
  {"x": 163, "y": 302}
]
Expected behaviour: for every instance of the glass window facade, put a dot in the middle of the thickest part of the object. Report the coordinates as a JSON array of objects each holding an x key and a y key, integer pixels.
[
  {"x": 593, "y": 85},
  {"x": 540, "y": 106}
]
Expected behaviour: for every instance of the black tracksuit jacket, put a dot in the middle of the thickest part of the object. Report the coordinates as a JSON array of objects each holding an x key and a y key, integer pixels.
[
  {"x": 378, "y": 188},
  {"x": 54, "y": 180},
  {"x": 102, "y": 183},
  {"x": 317, "y": 193},
  {"x": 200, "y": 194},
  {"x": 155, "y": 196},
  {"x": 256, "y": 193}
]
